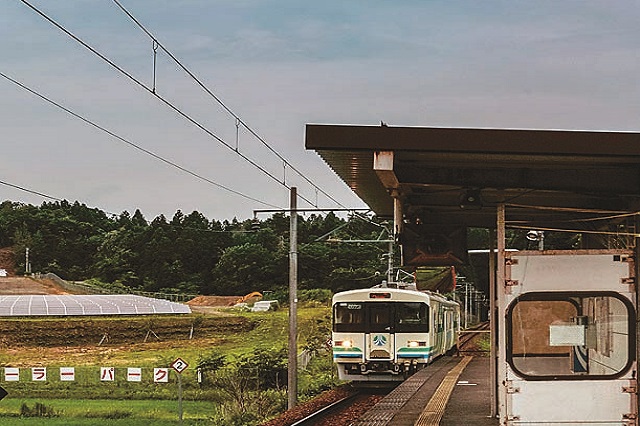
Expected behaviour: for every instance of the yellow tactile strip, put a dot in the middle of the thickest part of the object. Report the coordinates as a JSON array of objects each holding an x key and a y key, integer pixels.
[{"x": 434, "y": 410}]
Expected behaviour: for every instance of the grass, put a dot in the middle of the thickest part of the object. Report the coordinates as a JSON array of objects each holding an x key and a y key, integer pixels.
[
  {"x": 109, "y": 412},
  {"x": 88, "y": 401}
]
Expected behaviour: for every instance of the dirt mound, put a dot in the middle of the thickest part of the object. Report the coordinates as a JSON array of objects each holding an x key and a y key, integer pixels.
[
  {"x": 214, "y": 300},
  {"x": 8, "y": 261}
]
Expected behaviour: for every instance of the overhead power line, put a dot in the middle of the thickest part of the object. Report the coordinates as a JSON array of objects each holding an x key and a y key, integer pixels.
[
  {"x": 128, "y": 142},
  {"x": 29, "y": 191},
  {"x": 153, "y": 92},
  {"x": 157, "y": 44}
]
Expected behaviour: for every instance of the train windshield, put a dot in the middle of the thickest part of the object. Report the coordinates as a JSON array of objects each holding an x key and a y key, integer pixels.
[
  {"x": 570, "y": 335},
  {"x": 366, "y": 317}
]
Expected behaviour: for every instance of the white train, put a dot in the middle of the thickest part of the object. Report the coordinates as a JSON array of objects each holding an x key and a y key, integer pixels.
[{"x": 386, "y": 333}]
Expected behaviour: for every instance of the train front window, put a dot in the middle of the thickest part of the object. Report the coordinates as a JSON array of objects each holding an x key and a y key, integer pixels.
[
  {"x": 380, "y": 316},
  {"x": 570, "y": 335},
  {"x": 348, "y": 316}
]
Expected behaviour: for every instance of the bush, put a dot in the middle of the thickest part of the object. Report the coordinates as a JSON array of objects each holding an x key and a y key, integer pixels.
[
  {"x": 208, "y": 364},
  {"x": 320, "y": 295},
  {"x": 39, "y": 410}
]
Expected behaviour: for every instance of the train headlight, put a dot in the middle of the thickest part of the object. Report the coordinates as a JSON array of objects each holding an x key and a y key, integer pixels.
[
  {"x": 415, "y": 343},
  {"x": 343, "y": 343}
]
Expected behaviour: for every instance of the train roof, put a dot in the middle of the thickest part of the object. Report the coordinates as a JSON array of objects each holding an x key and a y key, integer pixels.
[{"x": 388, "y": 294}]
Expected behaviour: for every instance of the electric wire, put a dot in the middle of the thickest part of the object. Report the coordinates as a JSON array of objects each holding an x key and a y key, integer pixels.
[
  {"x": 162, "y": 99},
  {"x": 21, "y": 188},
  {"x": 116, "y": 215},
  {"x": 220, "y": 102},
  {"x": 133, "y": 145}
]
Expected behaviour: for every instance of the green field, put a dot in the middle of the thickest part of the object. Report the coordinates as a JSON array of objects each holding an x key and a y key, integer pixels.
[
  {"x": 109, "y": 412},
  {"x": 90, "y": 401}
]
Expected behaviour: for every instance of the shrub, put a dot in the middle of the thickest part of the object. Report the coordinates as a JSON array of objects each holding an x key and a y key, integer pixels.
[{"x": 39, "y": 410}]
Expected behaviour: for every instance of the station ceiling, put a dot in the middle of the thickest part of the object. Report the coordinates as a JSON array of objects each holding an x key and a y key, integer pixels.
[{"x": 457, "y": 176}]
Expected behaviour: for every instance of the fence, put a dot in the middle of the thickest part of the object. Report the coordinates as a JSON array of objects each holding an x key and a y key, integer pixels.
[{"x": 84, "y": 288}]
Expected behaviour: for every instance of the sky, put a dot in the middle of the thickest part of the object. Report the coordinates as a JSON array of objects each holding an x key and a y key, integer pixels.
[{"x": 276, "y": 66}]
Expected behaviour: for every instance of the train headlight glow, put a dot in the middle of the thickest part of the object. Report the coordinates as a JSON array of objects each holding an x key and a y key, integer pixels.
[
  {"x": 343, "y": 343},
  {"x": 415, "y": 343}
]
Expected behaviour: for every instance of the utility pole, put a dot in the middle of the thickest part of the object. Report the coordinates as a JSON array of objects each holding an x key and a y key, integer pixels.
[
  {"x": 292, "y": 378},
  {"x": 27, "y": 265},
  {"x": 390, "y": 263}
]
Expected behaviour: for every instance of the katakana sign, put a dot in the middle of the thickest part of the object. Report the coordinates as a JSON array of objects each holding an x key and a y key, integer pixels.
[
  {"x": 39, "y": 374},
  {"x": 161, "y": 375},
  {"x": 107, "y": 374}
]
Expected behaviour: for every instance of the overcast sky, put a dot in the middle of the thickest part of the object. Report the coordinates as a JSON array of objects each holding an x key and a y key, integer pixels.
[{"x": 278, "y": 65}]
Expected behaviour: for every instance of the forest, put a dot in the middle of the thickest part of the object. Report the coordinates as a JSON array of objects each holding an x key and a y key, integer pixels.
[{"x": 192, "y": 254}]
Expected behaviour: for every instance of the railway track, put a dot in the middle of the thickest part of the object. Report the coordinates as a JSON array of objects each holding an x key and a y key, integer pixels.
[
  {"x": 342, "y": 412},
  {"x": 467, "y": 342}
]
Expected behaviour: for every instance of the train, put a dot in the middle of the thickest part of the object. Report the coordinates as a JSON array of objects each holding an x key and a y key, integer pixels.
[{"x": 390, "y": 331}]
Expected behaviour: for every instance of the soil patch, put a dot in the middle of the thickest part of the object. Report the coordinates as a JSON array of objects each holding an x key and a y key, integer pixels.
[
  {"x": 83, "y": 331},
  {"x": 26, "y": 286},
  {"x": 214, "y": 300},
  {"x": 8, "y": 261}
]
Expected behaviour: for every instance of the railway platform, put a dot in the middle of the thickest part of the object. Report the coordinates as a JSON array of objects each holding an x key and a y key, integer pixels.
[{"x": 453, "y": 391}]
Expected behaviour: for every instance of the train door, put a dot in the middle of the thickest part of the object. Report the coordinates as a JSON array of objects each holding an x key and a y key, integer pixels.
[
  {"x": 380, "y": 339},
  {"x": 567, "y": 354},
  {"x": 437, "y": 328}
]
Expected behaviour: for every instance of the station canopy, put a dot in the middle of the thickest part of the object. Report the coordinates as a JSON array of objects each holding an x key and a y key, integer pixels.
[
  {"x": 66, "y": 305},
  {"x": 449, "y": 179}
]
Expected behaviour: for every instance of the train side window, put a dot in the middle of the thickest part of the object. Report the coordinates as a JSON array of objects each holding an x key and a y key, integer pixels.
[
  {"x": 578, "y": 335},
  {"x": 412, "y": 316}
]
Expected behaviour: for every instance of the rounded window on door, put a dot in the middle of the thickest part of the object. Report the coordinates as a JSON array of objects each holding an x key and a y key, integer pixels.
[{"x": 581, "y": 335}]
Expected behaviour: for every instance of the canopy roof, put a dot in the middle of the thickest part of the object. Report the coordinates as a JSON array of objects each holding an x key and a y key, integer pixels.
[{"x": 550, "y": 175}]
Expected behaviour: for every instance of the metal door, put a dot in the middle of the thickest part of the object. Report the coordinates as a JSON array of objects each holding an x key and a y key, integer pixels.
[
  {"x": 380, "y": 340},
  {"x": 567, "y": 350}
]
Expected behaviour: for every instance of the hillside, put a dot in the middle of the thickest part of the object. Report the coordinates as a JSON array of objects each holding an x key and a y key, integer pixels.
[
  {"x": 18, "y": 285},
  {"x": 7, "y": 261}
]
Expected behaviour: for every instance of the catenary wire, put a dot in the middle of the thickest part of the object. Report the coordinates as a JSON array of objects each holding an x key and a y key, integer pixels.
[
  {"x": 162, "y": 99},
  {"x": 220, "y": 102},
  {"x": 31, "y": 191},
  {"x": 21, "y": 188},
  {"x": 138, "y": 147}
]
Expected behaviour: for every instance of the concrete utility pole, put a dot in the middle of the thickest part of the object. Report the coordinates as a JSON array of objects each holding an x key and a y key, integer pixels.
[
  {"x": 292, "y": 382},
  {"x": 27, "y": 265}
]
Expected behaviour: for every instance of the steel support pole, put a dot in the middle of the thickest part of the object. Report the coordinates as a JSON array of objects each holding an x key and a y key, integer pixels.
[
  {"x": 493, "y": 318},
  {"x": 499, "y": 338},
  {"x": 292, "y": 378}
]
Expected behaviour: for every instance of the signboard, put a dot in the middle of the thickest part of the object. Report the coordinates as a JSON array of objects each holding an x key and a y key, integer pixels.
[
  {"x": 107, "y": 374},
  {"x": 134, "y": 374},
  {"x": 11, "y": 374},
  {"x": 67, "y": 374},
  {"x": 161, "y": 375},
  {"x": 179, "y": 365},
  {"x": 39, "y": 374},
  {"x": 3, "y": 393}
]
